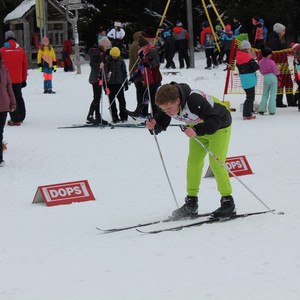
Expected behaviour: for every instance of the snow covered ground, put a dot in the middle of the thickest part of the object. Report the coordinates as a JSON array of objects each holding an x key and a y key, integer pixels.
[{"x": 57, "y": 253}]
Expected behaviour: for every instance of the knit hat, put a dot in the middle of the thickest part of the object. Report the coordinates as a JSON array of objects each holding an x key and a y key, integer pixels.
[
  {"x": 278, "y": 28},
  {"x": 150, "y": 33},
  {"x": 266, "y": 51},
  {"x": 105, "y": 42},
  {"x": 205, "y": 24},
  {"x": 227, "y": 28},
  {"x": 115, "y": 51},
  {"x": 295, "y": 46},
  {"x": 218, "y": 27},
  {"x": 45, "y": 40},
  {"x": 142, "y": 42},
  {"x": 178, "y": 24},
  {"x": 9, "y": 35},
  {"x": 245, "y": 45}
]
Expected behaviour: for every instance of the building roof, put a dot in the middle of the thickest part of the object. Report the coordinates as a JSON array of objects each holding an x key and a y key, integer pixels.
[{"x": 20, "y": 11}]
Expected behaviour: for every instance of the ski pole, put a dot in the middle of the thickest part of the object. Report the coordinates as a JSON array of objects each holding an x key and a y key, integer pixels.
[
  {"x": 118, "y": 93},
  {"x": 182, "y": 127},
  {"x": 106, "y": 89},
  {"x": 150, "y": 115}
]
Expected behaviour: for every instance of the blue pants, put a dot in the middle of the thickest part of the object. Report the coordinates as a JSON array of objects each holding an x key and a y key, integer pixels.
[{"x": 269, "y": 93}]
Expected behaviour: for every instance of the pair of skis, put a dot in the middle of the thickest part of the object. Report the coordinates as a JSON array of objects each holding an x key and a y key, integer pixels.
[
  {"x": 109, "y": 125},
  {"x": 180, "y": 227}
]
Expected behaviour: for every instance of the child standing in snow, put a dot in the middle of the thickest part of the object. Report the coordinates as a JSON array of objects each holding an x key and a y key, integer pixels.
[
  {"x": 269, "y": 70},
  {"x": 247, "y": 67},
  {"x": 116, "y": 79},
  {"x": 7, "y": 102},
  {"x": 46, "y": 60}
]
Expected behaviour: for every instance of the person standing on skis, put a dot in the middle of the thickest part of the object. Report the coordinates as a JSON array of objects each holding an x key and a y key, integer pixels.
[{"x": 208, "y": 120}]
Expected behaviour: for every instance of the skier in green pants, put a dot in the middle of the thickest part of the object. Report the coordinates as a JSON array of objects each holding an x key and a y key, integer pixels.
[{"x": 208, "y": 120}]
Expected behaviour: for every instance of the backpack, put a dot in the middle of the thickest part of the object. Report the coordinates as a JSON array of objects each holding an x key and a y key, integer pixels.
[
  {"x": 209, "y": 41},
  {"x": 259, "y": 33}
]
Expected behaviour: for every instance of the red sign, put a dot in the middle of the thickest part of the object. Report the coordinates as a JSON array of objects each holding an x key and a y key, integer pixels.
[
  {"x": 237, "y": 165},
  {"x": 64, "y": 193}
]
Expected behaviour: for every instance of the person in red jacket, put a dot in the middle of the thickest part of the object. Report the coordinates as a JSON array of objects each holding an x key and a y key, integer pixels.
[
  {"x": 66, "y": 53},
  {"x": 7, "y": 103},
  {"x": 208, "y": 43},
  {"x": 15, "y": 59}
]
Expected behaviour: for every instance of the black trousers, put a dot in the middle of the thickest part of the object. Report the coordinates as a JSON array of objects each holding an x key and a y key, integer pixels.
[
  {"x": 248, "y": 104},
  {"x": 114, "y": 89},
  {"x": 3, "y": 116},
  {"x": 95, "y": 105},
  {"x": 20, "y": 113}
]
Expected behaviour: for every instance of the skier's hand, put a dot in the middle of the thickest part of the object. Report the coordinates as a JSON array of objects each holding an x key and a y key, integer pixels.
[
  {"x": 150, "y": 124},
  {"x": 40, "y": 69},
  {"x": 190, "y": 132}
]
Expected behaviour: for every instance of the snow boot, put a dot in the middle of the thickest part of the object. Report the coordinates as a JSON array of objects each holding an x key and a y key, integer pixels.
[
  {"x": 226, "y": 210},
  {"x": 188, "y": 210}
]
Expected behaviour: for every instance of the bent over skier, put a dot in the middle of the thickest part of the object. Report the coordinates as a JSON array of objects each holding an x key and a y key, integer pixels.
[{"x": 208, "y": 120}]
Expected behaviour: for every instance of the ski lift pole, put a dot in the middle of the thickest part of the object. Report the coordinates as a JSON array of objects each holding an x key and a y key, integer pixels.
[
  {"x": 162, "y": 20},
  {"x": 217, "y": 13},
  {"x": 211, "y": 25}
]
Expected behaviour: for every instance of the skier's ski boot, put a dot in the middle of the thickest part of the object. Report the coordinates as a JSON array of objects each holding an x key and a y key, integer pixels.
[
  {"x": 188, "y": 211},
  {"x": 90, "y": 120},
  {"x": 99, "y": 121},
  {"x": 226, "y": 210}
]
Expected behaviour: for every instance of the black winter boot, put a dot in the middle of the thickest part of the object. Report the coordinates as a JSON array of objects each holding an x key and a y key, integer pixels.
[
  {"x": 226, "y": 210},
  {"x": 188, "y": 210}
]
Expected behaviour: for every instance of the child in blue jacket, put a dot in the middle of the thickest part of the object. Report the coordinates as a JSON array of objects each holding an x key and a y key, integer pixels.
[{"x": 247, "y": 67}]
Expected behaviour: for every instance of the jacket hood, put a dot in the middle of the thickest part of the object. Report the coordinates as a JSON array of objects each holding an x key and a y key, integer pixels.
[
  {"x": 207, "y": 30},
  {"x": 11, "y": 44},
  {"x": 136, "y": 36},
  {"x": 184, "y": 91},
  {"x": 177, "y": 29}
]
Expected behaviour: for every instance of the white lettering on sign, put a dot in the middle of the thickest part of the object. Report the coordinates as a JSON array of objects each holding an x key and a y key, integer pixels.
[{"x": 63, "y": 192}]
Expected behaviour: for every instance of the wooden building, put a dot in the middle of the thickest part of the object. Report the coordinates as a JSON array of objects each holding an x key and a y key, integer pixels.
[{"x": 22, "y": 21}]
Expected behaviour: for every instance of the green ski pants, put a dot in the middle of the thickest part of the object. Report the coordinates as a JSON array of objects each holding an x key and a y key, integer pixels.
[{"x": 217, "y": 143}]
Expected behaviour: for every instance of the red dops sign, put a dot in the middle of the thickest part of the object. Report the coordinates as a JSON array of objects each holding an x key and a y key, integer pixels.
[
  {"x": 237, "y": 165},
  {"x": 64, "y": 193}
]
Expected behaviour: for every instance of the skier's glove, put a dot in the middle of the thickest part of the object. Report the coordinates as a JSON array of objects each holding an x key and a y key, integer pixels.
[
  {"x": 54, "y": 68},
  {"x": 40, "y": 69}
]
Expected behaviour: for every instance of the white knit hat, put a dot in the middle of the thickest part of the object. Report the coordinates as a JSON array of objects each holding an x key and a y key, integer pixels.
[
  {"x": 278, "y": 28},
  {"x": 245, "y": 45}
]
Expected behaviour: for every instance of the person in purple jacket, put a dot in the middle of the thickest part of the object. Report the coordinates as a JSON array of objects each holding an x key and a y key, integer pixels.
[
  {"x": 7, "y": 102},
  {"x": 269, "y": 70}
]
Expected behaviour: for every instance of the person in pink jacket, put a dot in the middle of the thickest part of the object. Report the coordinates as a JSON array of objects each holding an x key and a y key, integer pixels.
[
  {"x": 7, "y": 102},
  {"x": 269, "y": 70}
]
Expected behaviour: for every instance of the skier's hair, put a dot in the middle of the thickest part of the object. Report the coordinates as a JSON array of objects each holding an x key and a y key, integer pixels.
[{"x": 166, "y": 93}]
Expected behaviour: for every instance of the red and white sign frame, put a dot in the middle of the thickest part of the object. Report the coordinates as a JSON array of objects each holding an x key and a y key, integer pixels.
[
  {"x": 238, "y": 165},
  {"x": 64, "y": 193}
]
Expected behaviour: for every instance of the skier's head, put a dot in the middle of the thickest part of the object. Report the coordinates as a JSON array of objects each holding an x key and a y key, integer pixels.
[{"x": 167, "y": 98}]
